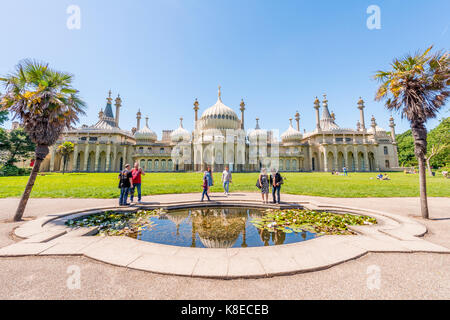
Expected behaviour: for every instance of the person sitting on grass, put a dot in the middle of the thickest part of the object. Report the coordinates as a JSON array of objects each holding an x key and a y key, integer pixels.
[
  {"x": 205, "y": 188},
  {"x": 380, "y": 176},
  {"x": 125, "y": 183},
  {"x": 385, "y": 177}
]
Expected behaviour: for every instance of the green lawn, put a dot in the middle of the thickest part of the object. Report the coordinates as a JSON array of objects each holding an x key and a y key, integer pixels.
[{"x": 104, "y": 185}]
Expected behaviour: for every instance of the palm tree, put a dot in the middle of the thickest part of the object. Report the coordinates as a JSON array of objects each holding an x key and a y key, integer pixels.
[
  {"x": 45, "y": 102},
  {"x": 65, "y": 149},
  {"x": 418, "y": 85}
]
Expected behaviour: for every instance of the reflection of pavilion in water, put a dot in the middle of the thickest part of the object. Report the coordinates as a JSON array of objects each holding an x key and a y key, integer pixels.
[{"x": 221, "y": 227}]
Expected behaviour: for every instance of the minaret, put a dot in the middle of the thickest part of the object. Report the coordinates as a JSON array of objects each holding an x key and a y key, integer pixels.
[
  {"x": 196, "y": 110},
  {"x": 392, "y": 126},
  {"x": 333, "y": 116},
  {"x": 138, "y": 120},
  {"x": 146, "y": 121},
  {"x": 317, "y": 107},
  {"x": 257, "y": 124},
  {"x": 374, "y": 125},
  {"x": 100, "y": 114},
  {"x": 219, "y": 93},
  {"x": 297, "y": 119},
  {"x": 358, "y": 126},
  {"x": 181, "y": 122},
  {"x": 118, "y": 105},
  {"x": 361, "y": 113},
  {"x": 242, "y": 113}
]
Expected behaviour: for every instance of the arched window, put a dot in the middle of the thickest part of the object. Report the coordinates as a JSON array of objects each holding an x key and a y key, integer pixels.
[{"x": 149, "y": 165}]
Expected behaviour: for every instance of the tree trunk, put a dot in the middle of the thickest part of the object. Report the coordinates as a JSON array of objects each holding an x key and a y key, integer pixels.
[
  {"x": 419, "y": 133},
  {"x": 41, "y": 153}
]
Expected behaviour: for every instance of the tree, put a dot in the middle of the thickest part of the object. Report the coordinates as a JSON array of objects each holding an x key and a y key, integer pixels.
[
  {"x": 418, "y": 85},
  {"x": 17, "y": 144},
  {"x": 45, "y": 103},
  {"x": 65, "y": 149},
  {"x": 405, "y": 149},
  {"x": 438, "y": 154},
  {"x": 3, "y": 117}
]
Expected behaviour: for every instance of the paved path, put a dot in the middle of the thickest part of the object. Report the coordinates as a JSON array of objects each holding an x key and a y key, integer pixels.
[{"x": 417, "y": 275}]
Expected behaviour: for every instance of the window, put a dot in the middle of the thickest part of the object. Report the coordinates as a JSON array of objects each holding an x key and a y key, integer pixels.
[
  {"x": 161, "y": 150},
  {"x": 385, "y": 150}
]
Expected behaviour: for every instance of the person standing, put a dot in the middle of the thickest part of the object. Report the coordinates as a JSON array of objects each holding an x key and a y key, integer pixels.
[
  {"x": 205, "y": 188},
  {"x": 209, "y": 178},
  {"x": 344, "y": 169},
  {"x": 137, "y": 181},
  {"x": 264, "y": 183},
  {"x": 276, "y": 181},
  {"x": 125, "y": 183},
  {"x": 226, "y": 180}
]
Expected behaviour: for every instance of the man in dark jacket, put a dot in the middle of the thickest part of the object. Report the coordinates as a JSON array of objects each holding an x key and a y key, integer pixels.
[
  {"x": 125, "y": 183},
  {"x": 276, "y": 181}
]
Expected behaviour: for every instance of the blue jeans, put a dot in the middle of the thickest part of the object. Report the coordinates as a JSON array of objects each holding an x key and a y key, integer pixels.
[
  {"x": 205, "y": 192},
  {"x": 226, "y": 186},
  {"x": 138, "y": 187},
  {"x": 123, "y": 195},
  {"x": 277, "y": 190}
]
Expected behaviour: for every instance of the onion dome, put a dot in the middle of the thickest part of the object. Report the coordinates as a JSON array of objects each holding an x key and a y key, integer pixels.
[
  {"x": 180, "y": 134},
  {"x": 146, "y": 133},
  {"x": 219, "y": 116},
  {"x": 257, "y": 132},
  {"x": 291, "y": 134}
]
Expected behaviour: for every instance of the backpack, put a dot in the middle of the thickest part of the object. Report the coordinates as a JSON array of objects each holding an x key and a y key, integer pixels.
[{"x": 122, "y": 177}]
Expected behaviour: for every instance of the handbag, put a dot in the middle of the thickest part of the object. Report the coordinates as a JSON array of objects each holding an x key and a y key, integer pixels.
[{"x": 258, "y": 185}]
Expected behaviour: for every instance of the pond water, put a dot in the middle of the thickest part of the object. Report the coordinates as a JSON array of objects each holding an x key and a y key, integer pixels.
[{"x": 215, "y": 228}]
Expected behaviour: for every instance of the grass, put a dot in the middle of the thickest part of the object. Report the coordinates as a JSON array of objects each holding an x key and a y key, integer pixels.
[{"x": 104, "y": 185}]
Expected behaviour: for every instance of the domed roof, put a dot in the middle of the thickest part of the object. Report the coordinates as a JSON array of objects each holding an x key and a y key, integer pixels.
[
  {"x": 257, "y": 132},
  {"x": 180, "y": 134},
  {"x": 291, "y": 134},
  {"x": 145, "y": 133},
  {"x": 219, "y": 116}
]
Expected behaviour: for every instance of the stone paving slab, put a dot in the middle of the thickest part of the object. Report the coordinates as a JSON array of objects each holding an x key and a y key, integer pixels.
[
  {"x": 166, "y": 264},
  {"x": 24, "y": 249}
]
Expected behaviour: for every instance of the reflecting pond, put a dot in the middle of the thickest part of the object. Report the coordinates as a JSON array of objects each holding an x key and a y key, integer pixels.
[{"x": 214, "y": 228}]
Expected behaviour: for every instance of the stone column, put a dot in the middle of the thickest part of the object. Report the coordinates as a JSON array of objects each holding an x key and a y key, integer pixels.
[
  {"x": 317, "y": 106},
  {"x": 366, "y": 160},
  {"x": 355, "y": 158},
  {"x": 52, "y": 159},
  {"x": 325, "y": 159},
  {"x": 75, "y": 157},
  {"x": 97, "y": 148},
  {"x": 108, "y": 159},
  {"x": 86, "y": 156}
]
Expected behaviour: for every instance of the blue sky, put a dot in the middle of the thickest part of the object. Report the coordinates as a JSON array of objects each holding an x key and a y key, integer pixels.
[{"x": 276, "y": 55}]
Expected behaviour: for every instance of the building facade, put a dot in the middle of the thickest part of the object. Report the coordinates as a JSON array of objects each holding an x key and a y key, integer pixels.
[{"x": 220, "y": 139}]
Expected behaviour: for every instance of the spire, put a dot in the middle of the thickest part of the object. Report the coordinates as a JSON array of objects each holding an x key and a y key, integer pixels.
[
  {"x": 242, "y": 113},
  {"x": 257, "y": 124},
  {"x": 219, "y": 94},
  {"x": 146, "y": 121},
  {"x": 297, "y": 119},
  {"x": 181, "y": 122},
  {"x": 333, "y": 116},
  {"x": 290, "y": 122},
  {"x": 325, "y": 113},
  {"x": 109, "y": 99}
]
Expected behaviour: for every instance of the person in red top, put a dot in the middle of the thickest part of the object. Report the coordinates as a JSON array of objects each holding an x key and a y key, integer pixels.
[{"x": 136, "y": 174}]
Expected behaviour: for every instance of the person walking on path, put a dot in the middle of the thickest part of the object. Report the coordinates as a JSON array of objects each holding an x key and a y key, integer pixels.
[
  {"x": 125, "y": 183},
  {"x": 209, "y": 178},
  {"x": 276, "y": 181},
  {"x": 264, "y": 183},
  {"x": 226, "y": 180},
  {"x": 137, "y": 181},
  {"x": 205, "y": 188}
]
